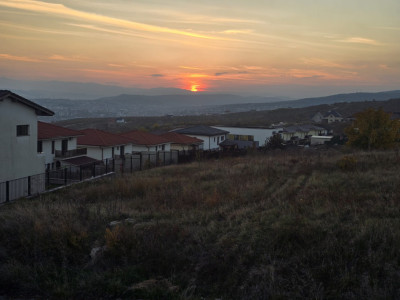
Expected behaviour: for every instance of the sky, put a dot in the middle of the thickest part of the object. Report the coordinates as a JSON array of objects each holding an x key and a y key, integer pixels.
[{"x": 266, "y": 47}]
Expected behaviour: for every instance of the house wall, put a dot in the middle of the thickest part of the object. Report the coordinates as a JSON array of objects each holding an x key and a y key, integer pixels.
[
  {"x": 102, "y": 153},
  {"x": 143, "y": 148},
  {"x": 182, "y": 147},
  {"x": 98, "y": 153},
  {"x": 46, "y": 147},
  {"x": 210, "y": 142},
  {"x": 127, "y": 149},
  {"x": 260, "y": 134},
  {"x": 19, "y": 156}
]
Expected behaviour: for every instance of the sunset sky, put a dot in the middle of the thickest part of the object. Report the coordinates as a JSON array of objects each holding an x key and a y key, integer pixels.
[{"x": 216, "y": 46}]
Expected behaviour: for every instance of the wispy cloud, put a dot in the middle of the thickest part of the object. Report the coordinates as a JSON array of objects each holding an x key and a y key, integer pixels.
[
  {"x": 360, "y": 40},
  {"x": 62, "y": 10},
  {"x": 18, "y": 58},
  {"x": 157, "y": 75},
  {"x": 65, "y": 58},
  {"x": 238, "y": 31},
  {"x": 325, "y": 63}
]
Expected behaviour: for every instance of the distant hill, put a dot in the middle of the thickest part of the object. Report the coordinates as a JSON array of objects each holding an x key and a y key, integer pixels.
[
  {"x": 353, "y": 97},
  {"x": 262, "y": 118},
  {"x": 126, "y": 105}
]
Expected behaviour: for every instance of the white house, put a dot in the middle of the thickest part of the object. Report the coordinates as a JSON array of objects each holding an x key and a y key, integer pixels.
[
  {"x": 211, "y": 136},
  {"x": 329, "y": 117},
  {"x": 332, "y": 117},
  {"x": 18, "y": 146},
  {"x": 147, "y": 142},
  {"x": 257, "y": 135},
  {"x": 57, "y": 143},
  {"x": 183, "y": 142},
  {"x": 103, "y": 145}
]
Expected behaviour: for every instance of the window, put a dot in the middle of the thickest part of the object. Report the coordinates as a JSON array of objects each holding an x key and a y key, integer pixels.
[
  {"x": 22, "y": 130},
  {"x": 53, "y": 147},
  {"x": 222, "y": 138},
  {"x": 39, "y": 146},
  {"x": 163, "y": 147}
]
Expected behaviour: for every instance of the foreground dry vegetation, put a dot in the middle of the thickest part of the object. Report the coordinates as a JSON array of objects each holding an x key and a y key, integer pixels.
[{"x": 279, "y": 225}]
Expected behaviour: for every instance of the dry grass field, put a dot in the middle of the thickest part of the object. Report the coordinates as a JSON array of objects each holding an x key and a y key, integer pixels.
[{"x": 280, "y": 225}]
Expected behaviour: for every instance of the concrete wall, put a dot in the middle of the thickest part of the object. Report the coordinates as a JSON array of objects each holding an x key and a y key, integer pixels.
[{"x": 18, "y": 154}]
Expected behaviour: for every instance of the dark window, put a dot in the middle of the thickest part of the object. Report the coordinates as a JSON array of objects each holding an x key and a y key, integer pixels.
[
  {"x": 163, "y": 147},
  {"x": 64, "y": 146},
  {"x": 53, "y": 147},
  {"x": 39, "y": 147},
  {"x": 22, "y": 130},
  {"x": 222, "y": 138}
]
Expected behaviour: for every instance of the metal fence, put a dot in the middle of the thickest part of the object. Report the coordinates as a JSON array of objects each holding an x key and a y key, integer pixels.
[{"x": 36, "y": 184}]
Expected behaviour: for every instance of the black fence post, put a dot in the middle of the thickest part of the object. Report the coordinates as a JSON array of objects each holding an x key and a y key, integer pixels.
[
  {"x": 65, "y": 176},
  {"x": 94, "y": 170},
  {"x": 29, "y": 185},
  {"x": 80, "y": 173},
  {"x": 106, "y": 165},
  {"x": 140, "y": 157},
  {"x": 48, "y": 178},
  {"x": 164, "y": 158},
  {"x": 131, "y": 164},
  {"x": 113, "y": 164},
  {"x": 7, "y": 191}
]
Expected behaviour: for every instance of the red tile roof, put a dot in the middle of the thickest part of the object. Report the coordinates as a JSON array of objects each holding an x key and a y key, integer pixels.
[
  {"x": 178, "y": 138},
  {"x": 145, "y": 138},
  {"x": 48, "y": 131},
  {"x": 95, "y": 137}
]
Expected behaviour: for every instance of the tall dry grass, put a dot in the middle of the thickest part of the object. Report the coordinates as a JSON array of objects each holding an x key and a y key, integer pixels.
[{"x": 311, "y": 224}]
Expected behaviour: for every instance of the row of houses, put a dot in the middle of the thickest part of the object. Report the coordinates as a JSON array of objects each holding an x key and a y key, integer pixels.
[{"x": 29, "y": 147}]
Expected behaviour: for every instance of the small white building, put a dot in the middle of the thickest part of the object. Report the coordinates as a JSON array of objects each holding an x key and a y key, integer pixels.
[
  {"x": 57, "y": 143},
  {"x": 258, "y": 135},
  {"x": 18, "y": 146},
  {"x": 329, "y": 117},
  {"x": 103, "y": 145},
  {"x": 320, "y": 140},
  {"x": 209, "y": 135}
]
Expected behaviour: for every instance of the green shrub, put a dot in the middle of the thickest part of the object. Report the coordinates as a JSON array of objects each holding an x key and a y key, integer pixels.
[{"x": 347, "y": 163}]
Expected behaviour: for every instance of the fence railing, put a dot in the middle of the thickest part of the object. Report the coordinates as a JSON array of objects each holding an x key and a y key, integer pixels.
[
  {"x": 36, "y": 184},
  {"x": 70, "y": 153}
]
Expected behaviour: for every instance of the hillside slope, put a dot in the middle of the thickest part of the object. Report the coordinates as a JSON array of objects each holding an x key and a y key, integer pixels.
[{"x": 320, "y": 225}]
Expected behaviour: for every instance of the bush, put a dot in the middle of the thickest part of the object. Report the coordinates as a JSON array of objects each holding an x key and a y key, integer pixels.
[{"x": 347, "y": 163}]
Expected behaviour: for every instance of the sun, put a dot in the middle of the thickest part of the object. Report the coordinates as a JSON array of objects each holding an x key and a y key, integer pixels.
[{"x": 194, "y": 87}]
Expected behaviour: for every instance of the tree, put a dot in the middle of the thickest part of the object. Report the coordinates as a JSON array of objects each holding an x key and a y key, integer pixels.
[
  {"x": 373, "y": 129},
  {"x": 274, "y": 142}
]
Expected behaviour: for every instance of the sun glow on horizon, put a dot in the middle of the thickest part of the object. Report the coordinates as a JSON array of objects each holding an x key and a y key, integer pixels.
[{"x": 194, "y": 88}]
